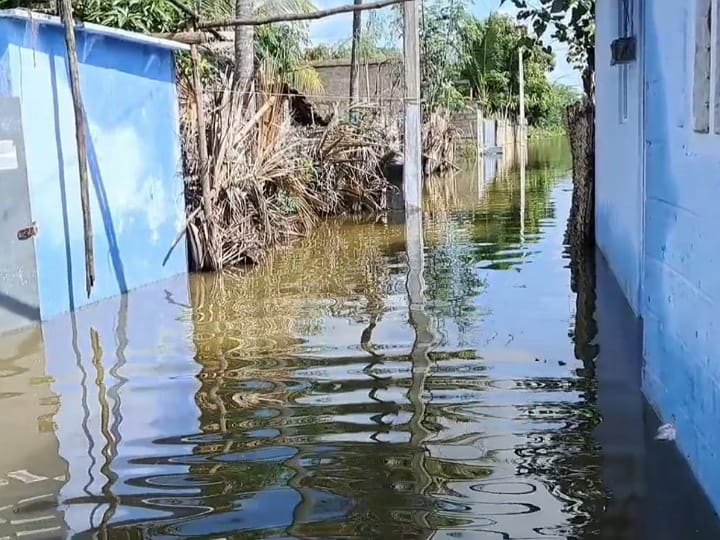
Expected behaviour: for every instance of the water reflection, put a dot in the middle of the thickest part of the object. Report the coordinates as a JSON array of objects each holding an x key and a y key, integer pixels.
[{"x": 309, "y": 398}]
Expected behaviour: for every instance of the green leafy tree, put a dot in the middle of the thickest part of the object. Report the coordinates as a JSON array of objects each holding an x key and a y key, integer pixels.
[
  {"x": 571, "y": 22},
  {"x": 561, "y": 96},
  {"x": 136, "y": 15},
  {"x": 278, "y": 47},
  {"x": 442, "y": 52},
  {"x": 490, "y": 65}
]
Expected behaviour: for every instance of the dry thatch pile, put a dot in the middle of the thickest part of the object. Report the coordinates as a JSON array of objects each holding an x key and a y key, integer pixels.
[
  {"x": 439, "y": 136},
  {"x": 270, "y": 181}
]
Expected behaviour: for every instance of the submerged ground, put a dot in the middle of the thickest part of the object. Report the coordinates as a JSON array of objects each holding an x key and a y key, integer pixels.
[{"x": 296, "y": 400}]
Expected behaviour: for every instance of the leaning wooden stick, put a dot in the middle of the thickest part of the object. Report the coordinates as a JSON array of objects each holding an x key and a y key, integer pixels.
[{"x": 67, "y": 19}]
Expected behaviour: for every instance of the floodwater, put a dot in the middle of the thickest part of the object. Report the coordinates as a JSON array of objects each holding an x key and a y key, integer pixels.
[{"x": 307, "y": 398}]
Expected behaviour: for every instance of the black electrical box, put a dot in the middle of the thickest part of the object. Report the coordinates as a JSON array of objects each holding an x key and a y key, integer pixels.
[{"x": 624, "y": 50}]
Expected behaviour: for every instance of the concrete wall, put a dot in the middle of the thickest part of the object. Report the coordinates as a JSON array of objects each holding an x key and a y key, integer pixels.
[
  {"x": 19, "y": 302},
  {"x": 681, "y": 281},
  {"x": 134, "y": 158},
  {"x": 380, "y": 81},
  {"x": 619, "y": 156}
]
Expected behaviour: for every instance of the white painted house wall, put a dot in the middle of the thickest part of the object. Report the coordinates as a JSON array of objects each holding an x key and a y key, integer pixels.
[{"x": 619, "y": 149}]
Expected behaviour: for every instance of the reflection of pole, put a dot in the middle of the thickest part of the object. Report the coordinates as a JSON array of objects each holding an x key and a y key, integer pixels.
[
  {"x": 419, "y": 354},
  {"x": 521, "y": 76},
  {"x": 109, "y": 451},
  {"x": 522, "y": 198}
]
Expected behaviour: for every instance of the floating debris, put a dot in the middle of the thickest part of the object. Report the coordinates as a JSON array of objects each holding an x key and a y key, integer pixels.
[{"x": 666, "y": 432}]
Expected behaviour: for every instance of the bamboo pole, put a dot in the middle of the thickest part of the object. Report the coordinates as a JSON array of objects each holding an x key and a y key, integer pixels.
[
  {"x": 67, "y": 19},
  {"x": 319, "y": 14},
  {"x": 202, "y": 144}
]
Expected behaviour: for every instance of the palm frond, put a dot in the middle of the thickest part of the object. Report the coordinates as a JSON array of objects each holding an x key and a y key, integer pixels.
[{"x": 268, "y": 8}]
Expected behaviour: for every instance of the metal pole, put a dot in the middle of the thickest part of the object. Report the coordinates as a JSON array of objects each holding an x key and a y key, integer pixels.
[
  {"x": 521, "y": 75},
  {"x": 412, "y": 168}
]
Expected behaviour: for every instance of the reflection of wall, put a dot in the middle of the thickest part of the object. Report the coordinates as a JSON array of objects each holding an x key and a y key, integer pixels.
[
  {"x": 126, "y": 375},
  {"x": 620, "y": 404},
  {"x": 31, "y": 471},
  {"x": 129, "y": 93}
]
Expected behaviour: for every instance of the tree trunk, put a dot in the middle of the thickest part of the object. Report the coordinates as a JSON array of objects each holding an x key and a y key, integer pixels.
[
  {"x": 581, "y": 131},
  {"x": 244, "y": 48},
  {"x": 355, "y": 52}
]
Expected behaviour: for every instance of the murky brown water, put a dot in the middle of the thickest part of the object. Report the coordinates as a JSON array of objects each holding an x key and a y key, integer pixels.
[{"x": 300, "y": 399}]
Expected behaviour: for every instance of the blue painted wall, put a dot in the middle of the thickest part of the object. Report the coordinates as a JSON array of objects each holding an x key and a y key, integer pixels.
[
  {"x": 136, "y": 194},
  {"x": 680, "y": 282}
]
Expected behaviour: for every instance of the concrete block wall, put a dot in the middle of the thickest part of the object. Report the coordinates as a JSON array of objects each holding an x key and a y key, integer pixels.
[
  {"x": 657, "y": 226},
  {"x": 378, "y": 80},
  {"x": 681, "y": 299}
]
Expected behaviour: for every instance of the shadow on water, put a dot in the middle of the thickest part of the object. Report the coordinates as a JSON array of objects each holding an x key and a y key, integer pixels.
[{"x": 310, "y": 398}]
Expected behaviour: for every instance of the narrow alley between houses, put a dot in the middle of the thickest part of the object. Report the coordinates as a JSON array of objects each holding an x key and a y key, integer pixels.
[{"x": 301, "y": 399}]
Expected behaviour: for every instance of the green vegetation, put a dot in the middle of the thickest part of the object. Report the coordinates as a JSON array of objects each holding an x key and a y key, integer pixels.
[
  {"x": 279, "y": 48},
  {"x": 568, "y": 21},
  {"x": 466, "y": 59},
  {"x": 135, "y": 15}
]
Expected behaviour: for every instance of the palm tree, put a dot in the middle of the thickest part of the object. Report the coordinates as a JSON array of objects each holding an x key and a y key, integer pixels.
[
  {"x": 244, "y": 46},
  {"x": 278, "y": 47}
]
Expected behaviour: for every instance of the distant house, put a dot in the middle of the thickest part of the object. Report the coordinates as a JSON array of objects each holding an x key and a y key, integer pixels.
[
  {"x": 129, "y": 90},
  {"x": 657, "y": 217}
]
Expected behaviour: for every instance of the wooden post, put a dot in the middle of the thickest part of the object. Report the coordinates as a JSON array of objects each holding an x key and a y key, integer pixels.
[
  {"x": 203, "y": 168},
  {"x": 412, "y": 167},
  {"x": 354, "y": 52},
  {"x": 80, "y": 130},
  {"x": 521, "y": 76}
]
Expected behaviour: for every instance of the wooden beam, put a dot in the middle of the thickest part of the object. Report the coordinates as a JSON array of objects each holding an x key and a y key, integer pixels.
[
  {"x": 319, "y": 14},
  {"x": 66, "y": 14}
]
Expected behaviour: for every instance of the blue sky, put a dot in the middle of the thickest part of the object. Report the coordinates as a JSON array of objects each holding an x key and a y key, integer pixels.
[{"x": 339, "y": 28}]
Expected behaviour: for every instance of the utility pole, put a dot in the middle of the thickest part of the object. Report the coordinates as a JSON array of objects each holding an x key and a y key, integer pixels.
[
  {"x": 412, "y": 167},
  {"x": 521, "y": 76},
  {"x": 355, "y": 53}
]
